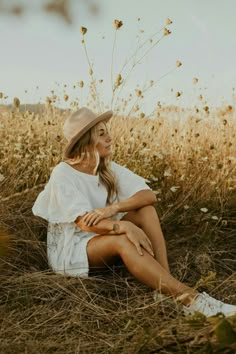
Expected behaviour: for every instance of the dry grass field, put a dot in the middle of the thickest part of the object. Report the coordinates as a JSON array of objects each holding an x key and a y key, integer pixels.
[{"x": 188, "y": 157}]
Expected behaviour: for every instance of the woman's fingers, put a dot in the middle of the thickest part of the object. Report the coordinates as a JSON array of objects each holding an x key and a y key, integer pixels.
[
  {"x": 89, "y": 218},
  {"x": 146, "y": 246},
  {"x": 92, "y": 218},
  {"x": 98, "y": 218},
  {"x": 149, "y": 242},
  {"x": 139, "y": 249},
  {"x": 97, "y": 215},
  {"x": 150, "y": 246}
]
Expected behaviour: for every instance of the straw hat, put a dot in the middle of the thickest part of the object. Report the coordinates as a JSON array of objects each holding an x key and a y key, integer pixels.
[{"x": 79, "y": 122}]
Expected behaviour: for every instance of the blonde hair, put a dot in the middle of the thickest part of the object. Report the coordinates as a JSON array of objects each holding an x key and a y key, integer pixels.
[{"x": 85, "y": 148}]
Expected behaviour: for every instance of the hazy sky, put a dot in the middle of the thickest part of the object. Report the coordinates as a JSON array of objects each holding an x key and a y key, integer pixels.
[{"x": 38, "y": 49}]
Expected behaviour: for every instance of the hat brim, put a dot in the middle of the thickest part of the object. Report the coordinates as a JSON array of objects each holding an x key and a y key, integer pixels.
[{"x": 102, "y": 117}]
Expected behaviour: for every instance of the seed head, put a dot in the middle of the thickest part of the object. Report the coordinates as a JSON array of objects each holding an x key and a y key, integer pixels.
[
  {"x": 178, "y": 63},
  {"x": 168, "y": 21},
  {"x": 166, "y": 32},
  {"x": 225, "y": 122},
  {"x": 48, "y": 100},
  {"x": 17, "y": 10},
  {"x": 178, "y": 94},
  {"x": 83, "y": 30},
  {"x": 195, "y": 80},
  {"x": 74, "y": 104},
  {"x": 66, "y": 97},
  {"x": 1, "y": 95},
  {"x": 206, "y": 108},
  {"x": 91, "y": 71},
  {"x": 118, "y": 80},
  {"x": 16, "y": 102},
  {"x": 81, "y": 84},
  {"x": 117, "y": 24},
  {"x": 138, "y": 92}
]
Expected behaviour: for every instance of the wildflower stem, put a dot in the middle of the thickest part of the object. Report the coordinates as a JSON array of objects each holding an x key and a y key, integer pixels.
[
  {"x": 112, "y": 61},
  {"x": 134, "y": 65},
  {"x": 93, "y": 82},
  {"x": 148, "y": 50},
  {"x": 137, "y": 50}
]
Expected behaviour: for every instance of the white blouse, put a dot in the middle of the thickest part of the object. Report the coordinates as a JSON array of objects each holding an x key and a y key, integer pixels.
[{"x": 68, "y": 194}]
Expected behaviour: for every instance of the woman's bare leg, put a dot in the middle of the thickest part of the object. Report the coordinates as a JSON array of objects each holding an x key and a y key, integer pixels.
[
  {"x": 104, "y": 250},
  {"x": 147, "y": 219}
]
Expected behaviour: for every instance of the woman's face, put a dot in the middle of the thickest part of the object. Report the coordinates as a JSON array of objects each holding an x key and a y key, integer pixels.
[{"x": 103, "y": 141}]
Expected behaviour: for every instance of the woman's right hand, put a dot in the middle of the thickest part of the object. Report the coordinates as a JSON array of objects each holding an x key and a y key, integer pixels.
[{"x": 137, "y": 236}]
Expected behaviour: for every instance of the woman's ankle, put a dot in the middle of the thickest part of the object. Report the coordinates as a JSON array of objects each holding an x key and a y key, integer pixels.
[{"x": 188, "y": 297}]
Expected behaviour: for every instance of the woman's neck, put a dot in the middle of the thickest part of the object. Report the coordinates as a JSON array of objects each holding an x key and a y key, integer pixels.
[{"x": 85, "y": 167}]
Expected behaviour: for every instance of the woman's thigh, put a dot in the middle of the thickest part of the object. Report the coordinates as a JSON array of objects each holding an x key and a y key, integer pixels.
[{"x": 103, "y": 250}]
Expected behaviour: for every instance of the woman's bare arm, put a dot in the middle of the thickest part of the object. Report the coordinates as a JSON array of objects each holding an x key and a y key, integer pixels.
[
  {"x": 104, "y": 226},
  {"x": 138, "y": 200}
]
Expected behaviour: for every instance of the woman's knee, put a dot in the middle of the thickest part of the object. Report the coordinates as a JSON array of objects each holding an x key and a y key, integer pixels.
[
  {"x": 103, "y": 249},
  {"x": 118, "y": 243},
  {"x": 147, "y": 209},
  {"x": 145, "y": 213},
  {"x": 121, "y": 242}
]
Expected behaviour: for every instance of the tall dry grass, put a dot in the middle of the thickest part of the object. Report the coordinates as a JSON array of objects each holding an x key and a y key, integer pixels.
[{"x": 188, "y": 158}]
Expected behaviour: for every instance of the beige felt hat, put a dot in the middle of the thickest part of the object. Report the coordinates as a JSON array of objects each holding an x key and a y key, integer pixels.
[{"x": 79, "y": 122}]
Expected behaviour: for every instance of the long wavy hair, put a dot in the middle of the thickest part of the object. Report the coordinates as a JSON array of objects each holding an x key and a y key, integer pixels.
[{"x": 85, "y": 149}]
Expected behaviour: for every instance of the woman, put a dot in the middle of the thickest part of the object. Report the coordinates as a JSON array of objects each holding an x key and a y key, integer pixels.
[{"x": 99, "y": 212}]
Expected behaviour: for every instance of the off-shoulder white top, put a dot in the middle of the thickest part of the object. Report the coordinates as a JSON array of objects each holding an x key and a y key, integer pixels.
[{"x": 68, "y": 194}]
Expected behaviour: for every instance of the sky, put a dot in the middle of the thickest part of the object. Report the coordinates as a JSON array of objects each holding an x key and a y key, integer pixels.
[{"x": 40, "y": 52}]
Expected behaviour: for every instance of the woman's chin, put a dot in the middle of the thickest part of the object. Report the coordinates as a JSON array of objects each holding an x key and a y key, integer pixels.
[{"x": 108, "y": 154}]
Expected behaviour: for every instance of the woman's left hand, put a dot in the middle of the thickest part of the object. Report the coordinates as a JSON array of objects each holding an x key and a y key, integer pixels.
[{"x": 93, "y": 217}]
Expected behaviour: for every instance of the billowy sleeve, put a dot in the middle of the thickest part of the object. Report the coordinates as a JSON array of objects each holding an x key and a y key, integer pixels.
[{"x": 61, "y": 201}]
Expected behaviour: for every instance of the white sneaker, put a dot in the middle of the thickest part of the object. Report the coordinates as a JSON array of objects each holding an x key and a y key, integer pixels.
[{"x": 209, "y": 306}]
